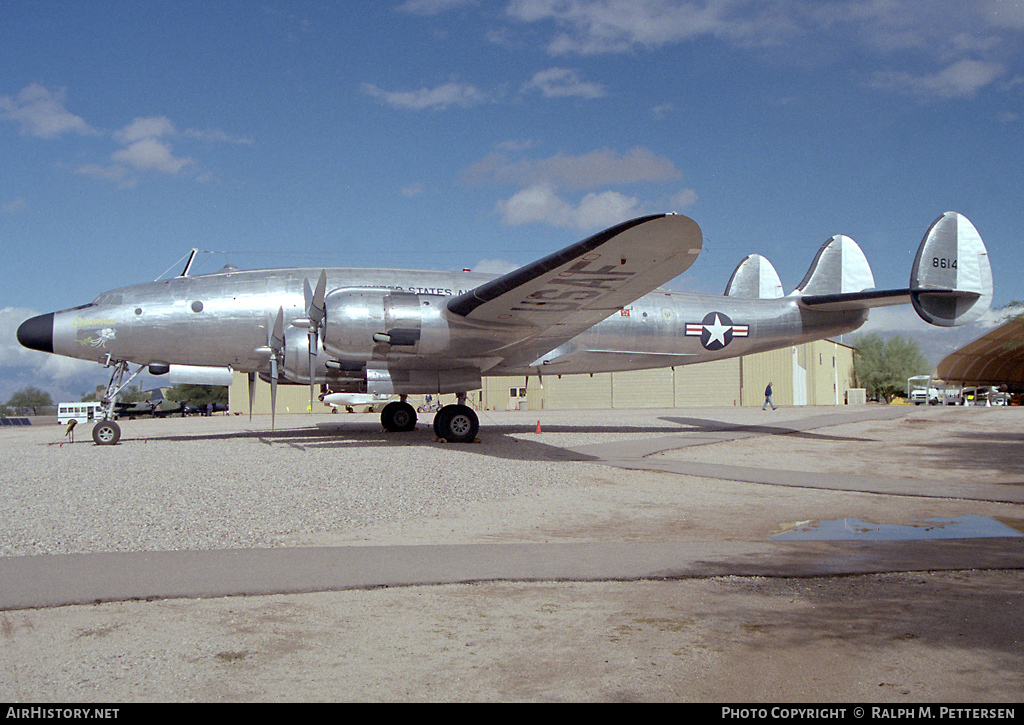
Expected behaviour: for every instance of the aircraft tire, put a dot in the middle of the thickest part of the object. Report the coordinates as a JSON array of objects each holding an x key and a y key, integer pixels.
[
  {"x": 398, "y": 417},
  {"x": 106, "y": 433},
  {"x": 456, "y": 424}
]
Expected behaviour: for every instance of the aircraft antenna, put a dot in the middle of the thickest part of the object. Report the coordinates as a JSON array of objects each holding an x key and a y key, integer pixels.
[
  {"x": 191, "y": 256},
  {"x": 188, "y": 264}
]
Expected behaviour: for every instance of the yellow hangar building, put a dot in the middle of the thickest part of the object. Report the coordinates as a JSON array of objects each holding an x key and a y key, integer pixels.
[{"x": 813, "y": 373}]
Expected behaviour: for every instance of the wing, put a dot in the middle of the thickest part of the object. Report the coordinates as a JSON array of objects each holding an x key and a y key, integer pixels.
[
  {"x": 569, "y": 291},
  {"x": 557, "y": 297}
]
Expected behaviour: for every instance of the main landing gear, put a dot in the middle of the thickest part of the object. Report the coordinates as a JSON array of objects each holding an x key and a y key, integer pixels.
[
  {"x": 398, "y": 417},
  {"x": 454, "y": 423}
]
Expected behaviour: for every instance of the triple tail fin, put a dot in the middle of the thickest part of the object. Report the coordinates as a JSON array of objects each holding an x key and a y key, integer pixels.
[{"x": 950, "y": 284}]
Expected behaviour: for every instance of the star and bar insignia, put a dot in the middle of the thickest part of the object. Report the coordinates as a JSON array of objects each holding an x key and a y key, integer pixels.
[{"x": 716, "y": 330}]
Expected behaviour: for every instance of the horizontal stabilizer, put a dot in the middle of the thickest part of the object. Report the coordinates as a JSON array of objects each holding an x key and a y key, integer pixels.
[
  {"x": 755, "y": 278},
  {"x": 951, "y": 283}
]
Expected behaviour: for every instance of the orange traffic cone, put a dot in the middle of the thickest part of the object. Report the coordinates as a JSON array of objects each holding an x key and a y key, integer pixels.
[{"x": 538, "y": 427}]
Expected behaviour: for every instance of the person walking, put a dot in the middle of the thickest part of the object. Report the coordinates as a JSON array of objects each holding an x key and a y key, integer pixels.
[{"x": 768, "y": 398}]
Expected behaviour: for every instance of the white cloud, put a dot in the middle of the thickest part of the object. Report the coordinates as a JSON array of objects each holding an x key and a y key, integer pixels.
[
  {"x": 145, "y": 149},
  {"x": 433, "y": 7},
  {"x": 962, "y": 79},
  {"x": 14, "y": 205},
  {"x": 541, "y": 199},
  {"x": 600, "y": 210},
  {"x": 146, "y": 140},
  {"x": 145, "y": 128},
  {"x": 685, "y": 198},
  {"x": 564, "y": 83},
  {"x": 540, "y": 204},
  {"x": 659, "y": 112},
  {"x": 115, "y": 174},
  {"x": 974, "y": 41},
  {"x": 160, "y": 126},
  {"x": 597, "y": 168},
  {"x": 438, "y": 99},
  {"x": 151, "y": 154},
  {"x": 515, "y": 146},
  {"x": 1002, "y": 14},
  {"x": 215, "y": 136},
  {"x": 495, "y": 266},
  {"x": 11, "y": 351},
  {"x": 41, "y": 113},
  {"x": 586, "y": 27}
]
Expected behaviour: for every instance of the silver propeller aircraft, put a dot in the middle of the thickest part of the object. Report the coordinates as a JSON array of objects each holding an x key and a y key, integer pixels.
[{"x": 592, "y": 307}]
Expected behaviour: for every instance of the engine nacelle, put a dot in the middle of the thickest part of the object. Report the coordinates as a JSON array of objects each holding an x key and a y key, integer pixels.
[{"x": 366, "y": 324}]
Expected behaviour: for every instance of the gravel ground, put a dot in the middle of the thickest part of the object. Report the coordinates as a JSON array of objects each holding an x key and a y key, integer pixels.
[
  {"x": 223, "y": 482},
  {"x": 194, "y": 484}
]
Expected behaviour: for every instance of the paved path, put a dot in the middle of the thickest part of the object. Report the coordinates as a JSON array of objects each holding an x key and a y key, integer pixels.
[
  {"x": 639, "y": 455},
  {"x": 50, "y": 581}
]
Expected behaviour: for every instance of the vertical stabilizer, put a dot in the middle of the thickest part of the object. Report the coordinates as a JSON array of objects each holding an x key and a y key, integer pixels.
[
  {"x": 839, "y": 267},
  {"x": 951, "y": 283},
  {"x": 754, "y": 278}
]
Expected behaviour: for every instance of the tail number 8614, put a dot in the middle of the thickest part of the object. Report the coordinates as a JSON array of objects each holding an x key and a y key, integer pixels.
[{"x": 943, "y": 263}]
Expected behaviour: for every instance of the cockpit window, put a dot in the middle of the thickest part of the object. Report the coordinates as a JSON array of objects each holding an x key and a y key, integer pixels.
[{"x": 107, "y": 298}]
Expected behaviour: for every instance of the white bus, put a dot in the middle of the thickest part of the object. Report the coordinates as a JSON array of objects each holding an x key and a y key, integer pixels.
[{"x": 82, "y": 412}]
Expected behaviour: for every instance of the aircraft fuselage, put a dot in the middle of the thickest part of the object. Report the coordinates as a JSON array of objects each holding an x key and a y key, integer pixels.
[{"x": 223, "y": 319}]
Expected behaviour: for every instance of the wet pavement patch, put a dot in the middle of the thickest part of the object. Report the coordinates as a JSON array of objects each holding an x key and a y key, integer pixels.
[{"x": 851, "y": 529}]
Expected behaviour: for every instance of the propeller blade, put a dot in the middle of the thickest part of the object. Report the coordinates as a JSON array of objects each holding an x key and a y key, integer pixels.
[
  {"x": 252, "y": 393},
  {"x": 273, "y": 390},
  {"x": 275, "y": 336},
  {"x": 275, "y": 341},
  {"x": 312, "y": 367},
  {"x": 307, "y": 295},
  {"x": 316, "y": 310}
]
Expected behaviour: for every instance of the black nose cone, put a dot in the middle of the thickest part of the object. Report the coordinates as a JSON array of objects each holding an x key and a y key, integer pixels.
[{"x": 36, "y": 333}]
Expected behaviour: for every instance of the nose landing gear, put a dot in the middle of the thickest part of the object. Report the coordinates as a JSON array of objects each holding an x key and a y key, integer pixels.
[{"x": 106, "y": 433}]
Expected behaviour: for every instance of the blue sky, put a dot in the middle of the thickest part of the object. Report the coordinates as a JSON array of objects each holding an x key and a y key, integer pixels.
[{"x": 464, "y": 133}]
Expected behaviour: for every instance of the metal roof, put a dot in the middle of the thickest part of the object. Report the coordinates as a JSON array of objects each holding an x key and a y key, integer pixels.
[{"x": 993, "y": 359}]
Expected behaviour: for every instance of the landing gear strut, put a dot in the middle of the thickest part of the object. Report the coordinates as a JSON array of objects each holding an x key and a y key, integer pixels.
[{"x": 107, "y": 432}]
